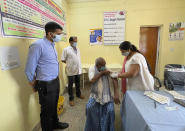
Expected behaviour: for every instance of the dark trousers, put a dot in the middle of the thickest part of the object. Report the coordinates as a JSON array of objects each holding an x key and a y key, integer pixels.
[
  {"x": 48, "y": 99},
  {"x": 71, "y": 80}
]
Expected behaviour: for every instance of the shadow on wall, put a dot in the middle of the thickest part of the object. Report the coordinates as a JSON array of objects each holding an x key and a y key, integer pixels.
[
  {"x": 63, "y": 79},
  {"x": 24, "y": 90},
  {"x": 62, "y": 74}
]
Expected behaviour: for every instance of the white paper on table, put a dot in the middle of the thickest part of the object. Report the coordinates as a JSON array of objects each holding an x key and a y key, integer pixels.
[
  {"x": 176, "y": 95},
  {"x": 171, "y": 108},
  {"x": 157, "y": 97}
]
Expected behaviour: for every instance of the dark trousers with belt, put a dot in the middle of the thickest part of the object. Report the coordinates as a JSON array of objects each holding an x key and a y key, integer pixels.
[
  {"x": 71, "y": 80},
  {"x": 48, "y": 99}
]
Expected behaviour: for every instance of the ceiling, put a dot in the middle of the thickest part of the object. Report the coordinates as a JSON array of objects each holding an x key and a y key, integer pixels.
[{"x": 78, "y": 1}]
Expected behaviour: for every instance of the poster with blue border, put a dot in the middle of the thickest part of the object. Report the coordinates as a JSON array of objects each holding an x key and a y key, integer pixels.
[{"x": 95, "y": 36}]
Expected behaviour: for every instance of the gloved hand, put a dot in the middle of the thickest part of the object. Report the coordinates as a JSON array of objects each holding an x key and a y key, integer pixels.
[{"x": 114, "y": 75}]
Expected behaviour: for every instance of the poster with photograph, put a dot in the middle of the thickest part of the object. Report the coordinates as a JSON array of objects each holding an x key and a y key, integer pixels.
[
  {"x": 176, "y": 31},
  {"x": 95, "y": 36}
]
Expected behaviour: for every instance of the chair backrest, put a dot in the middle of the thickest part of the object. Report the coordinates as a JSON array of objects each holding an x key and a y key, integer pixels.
[{"x": 157, "y": 83}]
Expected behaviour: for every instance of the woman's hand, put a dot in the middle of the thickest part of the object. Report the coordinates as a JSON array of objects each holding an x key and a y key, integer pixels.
[
  {"x": 114, "y": 75},
  {"x": 132, "y": 72}
]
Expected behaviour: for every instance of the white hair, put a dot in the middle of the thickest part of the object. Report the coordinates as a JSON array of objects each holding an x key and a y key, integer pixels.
[{"x": 99, "y": 60}]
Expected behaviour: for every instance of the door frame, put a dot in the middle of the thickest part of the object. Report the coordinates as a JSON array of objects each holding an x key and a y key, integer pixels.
[{"x": 158, "y": 46}]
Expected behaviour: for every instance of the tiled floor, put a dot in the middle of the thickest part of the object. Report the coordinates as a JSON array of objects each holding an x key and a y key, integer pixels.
[{"x": 75, "y": 116}]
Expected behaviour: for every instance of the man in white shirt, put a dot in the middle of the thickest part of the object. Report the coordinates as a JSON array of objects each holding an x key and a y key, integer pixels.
[{"x": 71, "y": 56}]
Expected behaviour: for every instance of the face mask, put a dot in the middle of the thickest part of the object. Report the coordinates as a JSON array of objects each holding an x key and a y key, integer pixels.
[
  {"x": 125, "y": 53},
  {"x": 75, "y": 44},
  {"x": 57, "y": 38},
  {"x": 102, "y": 68}
]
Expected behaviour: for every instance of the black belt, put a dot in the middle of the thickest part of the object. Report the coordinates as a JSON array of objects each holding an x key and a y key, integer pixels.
[{"x": 47, "y": 82}]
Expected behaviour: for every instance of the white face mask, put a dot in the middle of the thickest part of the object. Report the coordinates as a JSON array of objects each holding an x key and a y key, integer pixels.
[
  {"x": 125, "y": 53},
  {"x": 57, "y": 38},
  {"x": 75, "y": 44}
]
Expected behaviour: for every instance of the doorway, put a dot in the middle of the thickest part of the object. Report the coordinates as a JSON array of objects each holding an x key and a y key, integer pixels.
[{"x": 148, "y": 46}]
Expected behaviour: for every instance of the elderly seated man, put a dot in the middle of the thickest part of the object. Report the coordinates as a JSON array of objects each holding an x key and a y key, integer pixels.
[{"x": 100, "y": 113}]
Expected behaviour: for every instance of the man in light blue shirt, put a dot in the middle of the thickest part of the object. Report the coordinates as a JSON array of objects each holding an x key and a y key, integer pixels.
[{"x": 42, "y": 70}]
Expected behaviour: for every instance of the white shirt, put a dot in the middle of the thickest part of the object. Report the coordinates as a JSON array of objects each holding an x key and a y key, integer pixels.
[
  {"x": 144, "y": 80},
  {"x": 91, "y": 72},
  {"x": 73, "y": 62},
  {"x": 100, "y": 91}
]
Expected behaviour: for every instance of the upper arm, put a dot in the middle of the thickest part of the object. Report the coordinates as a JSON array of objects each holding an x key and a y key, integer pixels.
[
  {"x": 34, "y": 54},
  {"x": 134, "y": 69},
  {"x": 35, "y": 49},
  {"x": 78, "y": 51},
  {"x": 91, "y": 73},
  {"x": 64, "y": 55},
  {"x": 134, "y": 66}
]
